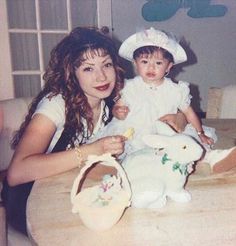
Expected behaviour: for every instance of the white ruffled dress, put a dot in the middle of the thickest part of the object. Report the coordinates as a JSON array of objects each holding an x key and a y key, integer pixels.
[{"x": 147, "y": 103}]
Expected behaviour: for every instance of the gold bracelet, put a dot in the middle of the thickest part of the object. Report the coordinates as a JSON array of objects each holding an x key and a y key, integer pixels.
[{"x": 79, "y": 156}]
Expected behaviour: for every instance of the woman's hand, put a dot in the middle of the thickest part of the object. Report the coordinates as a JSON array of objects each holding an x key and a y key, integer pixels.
[
  {"x": 112, "y": 144},
  {"x": 177, "y": 121}
]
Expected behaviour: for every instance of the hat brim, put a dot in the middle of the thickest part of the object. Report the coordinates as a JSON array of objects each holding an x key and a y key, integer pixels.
[{"x": 132, "y": 43}]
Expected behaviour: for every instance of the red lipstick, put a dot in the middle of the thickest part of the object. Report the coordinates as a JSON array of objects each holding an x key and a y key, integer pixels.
[{"x": 102, "y": 87}]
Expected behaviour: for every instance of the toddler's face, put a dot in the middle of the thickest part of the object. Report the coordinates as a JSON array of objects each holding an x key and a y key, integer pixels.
[{"x": 152, "y": 67}]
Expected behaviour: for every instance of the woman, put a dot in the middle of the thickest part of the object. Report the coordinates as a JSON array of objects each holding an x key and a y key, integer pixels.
[
  {"x": 81, "y": 81},
  {"x": 82, "y": 78}
]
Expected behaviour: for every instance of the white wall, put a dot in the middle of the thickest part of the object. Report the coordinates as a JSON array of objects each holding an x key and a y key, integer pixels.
[{"x": 212, "y": 43}]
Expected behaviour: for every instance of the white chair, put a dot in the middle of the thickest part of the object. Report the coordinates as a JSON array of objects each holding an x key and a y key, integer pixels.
[
  {"x": 12, "y": 113},
  {"x": 222, "y": 102}
]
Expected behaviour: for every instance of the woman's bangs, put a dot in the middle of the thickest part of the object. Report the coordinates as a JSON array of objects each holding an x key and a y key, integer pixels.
[{"x": 91, "y": 53}]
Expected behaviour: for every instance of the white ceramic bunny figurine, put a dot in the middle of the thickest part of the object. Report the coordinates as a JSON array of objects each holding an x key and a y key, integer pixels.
[{"x": 160, "y": 171}]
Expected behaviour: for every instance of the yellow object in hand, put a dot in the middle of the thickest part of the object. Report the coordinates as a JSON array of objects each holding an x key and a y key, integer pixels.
[{"x": 129, "y": 133}]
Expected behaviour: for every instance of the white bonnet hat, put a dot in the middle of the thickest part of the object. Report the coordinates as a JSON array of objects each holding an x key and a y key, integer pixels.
[{"x": 152, "y": 37}]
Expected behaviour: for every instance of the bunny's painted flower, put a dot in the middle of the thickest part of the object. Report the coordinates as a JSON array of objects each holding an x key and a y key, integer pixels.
[{"x": 109, "y": 187}]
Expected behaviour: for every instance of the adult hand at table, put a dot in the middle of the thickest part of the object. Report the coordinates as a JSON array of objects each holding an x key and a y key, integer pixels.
[{"x": 177, "y": 121}]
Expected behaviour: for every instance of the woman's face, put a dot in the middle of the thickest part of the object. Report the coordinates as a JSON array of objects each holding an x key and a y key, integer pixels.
[{"x": 96, "y": 76}]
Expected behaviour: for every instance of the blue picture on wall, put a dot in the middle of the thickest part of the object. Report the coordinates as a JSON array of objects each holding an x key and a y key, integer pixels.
[{"x": 161, "y": 10}]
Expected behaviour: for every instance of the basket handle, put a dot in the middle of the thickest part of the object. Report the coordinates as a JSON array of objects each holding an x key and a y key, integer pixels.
[{"x": 106, "y": 160}]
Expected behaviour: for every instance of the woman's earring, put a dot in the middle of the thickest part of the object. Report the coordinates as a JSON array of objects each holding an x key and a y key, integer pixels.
[{"x": 166, "y": 73}]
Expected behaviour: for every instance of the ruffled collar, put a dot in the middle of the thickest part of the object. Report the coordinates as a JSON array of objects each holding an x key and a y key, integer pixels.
[{"x": 151, "y": 86}]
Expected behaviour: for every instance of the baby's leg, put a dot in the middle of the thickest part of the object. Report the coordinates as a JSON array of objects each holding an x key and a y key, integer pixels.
[
  {"x": 221, "y": 160},
  {"x": 227, "y": 163}
]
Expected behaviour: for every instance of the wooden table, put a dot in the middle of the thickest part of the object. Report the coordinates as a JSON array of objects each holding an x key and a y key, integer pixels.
[{"x": 209, "y": 219}]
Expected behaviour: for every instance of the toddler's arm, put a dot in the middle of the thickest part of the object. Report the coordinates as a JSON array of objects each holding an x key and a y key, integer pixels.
[
  {"x": 194, "y": 120},
  {"x": 120, "y": 110}
]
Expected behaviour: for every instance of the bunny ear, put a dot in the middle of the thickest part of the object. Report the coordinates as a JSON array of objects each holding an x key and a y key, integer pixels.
[
  {"x": 156, "y": 141},
  {"x": 163, "y": 128}
]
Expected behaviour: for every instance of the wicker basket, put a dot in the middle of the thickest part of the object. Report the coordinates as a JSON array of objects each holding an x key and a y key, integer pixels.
[{"x": 101, "y": 206}]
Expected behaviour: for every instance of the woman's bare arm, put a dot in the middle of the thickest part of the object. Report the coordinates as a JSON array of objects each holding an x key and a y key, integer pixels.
[{"x": 31, "y": 163}]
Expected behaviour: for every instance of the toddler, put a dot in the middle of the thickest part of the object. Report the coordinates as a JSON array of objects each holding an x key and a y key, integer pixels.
[
  {"x": 154, "y": 53},
  {"x": 151, "y": 95}
]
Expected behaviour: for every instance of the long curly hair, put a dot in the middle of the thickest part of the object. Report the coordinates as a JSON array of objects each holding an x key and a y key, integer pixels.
[{"x": 60, "y": 78}]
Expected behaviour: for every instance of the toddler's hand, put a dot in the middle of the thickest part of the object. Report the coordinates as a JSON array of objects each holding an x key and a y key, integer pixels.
[
  {"x": 120, "y": 112},
  {"x": 206, "y": 140}
]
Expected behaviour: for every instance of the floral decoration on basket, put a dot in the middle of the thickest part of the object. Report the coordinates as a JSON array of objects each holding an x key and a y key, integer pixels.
[{"x": 101, "y": 206}]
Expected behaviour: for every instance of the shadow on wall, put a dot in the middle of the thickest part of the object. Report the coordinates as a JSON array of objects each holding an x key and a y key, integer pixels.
[
  {"x": 194, "y": 88},
  {"x": 191, "y": 59}
]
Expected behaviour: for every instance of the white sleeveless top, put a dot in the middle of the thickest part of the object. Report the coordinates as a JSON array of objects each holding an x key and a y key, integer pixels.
[{"x": 54, "y": 109}]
